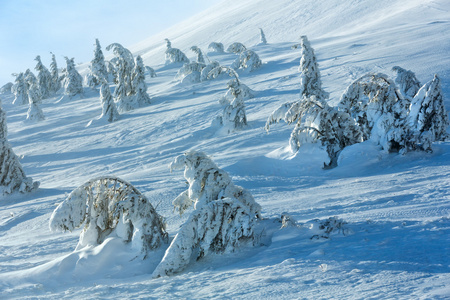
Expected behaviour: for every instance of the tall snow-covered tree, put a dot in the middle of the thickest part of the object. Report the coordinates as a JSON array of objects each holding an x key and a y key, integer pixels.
[
  {"x": 34, "y": 111},
  {"x": 110, "y": 206},
  {"x": 224, "y": 216},
  {"x": 12, "y": 176},
  {"x": 55, "y": 84},
  {"x": 124, "y": 65},
  {"x": 98, "y": 68},
  {"x": 44, "y": 78},
  {"x": 73, "y": 82},
  {"x": 20, "y": 90},
  {"x": 248, "y": 61},
  {"x": 216, "y": 47},
  {"x": 407, "y": 82},
  {"x": 198, "y": 51},
  {"x": 174, "y": 55},
  {"x": 30, "y": 78},
  {"x": 428, "y": 117},
  {"x": 262, "y": 37},
  {"x": 139, "y": 87},
  {"x": 112, "y": 73},
  {"x": 310, "y": 82},
  {"x": 236, "y": 48},
  {"x": 109, "y": 109}
]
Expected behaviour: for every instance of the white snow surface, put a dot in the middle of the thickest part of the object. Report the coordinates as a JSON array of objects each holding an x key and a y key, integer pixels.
[{"x": 397, "y": 207}]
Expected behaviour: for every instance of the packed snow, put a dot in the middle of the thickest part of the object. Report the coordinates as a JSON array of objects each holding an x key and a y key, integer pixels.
[{"x": 376, "y": 226}]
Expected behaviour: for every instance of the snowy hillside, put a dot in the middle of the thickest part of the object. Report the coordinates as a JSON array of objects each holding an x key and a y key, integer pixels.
[{"x": 394, "y": 242}]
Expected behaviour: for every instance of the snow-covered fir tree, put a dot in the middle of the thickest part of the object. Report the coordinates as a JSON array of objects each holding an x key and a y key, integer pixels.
[
  {"x": 20, "y": 90},
  {"x": 55, "y": 84},
  {"x": 12, "y": 176},
  {"x": 236, "y": 48},
  {"x": 208, "y": 68},
  {"x": 263, "y": 40},
  {"x": 428, "y": 118},
  {"x": 109, "y": 109},
  {"x": 224, "y": 215},
  {"x": 124, "y": 66},
  {"x": 139, "y": 87},
  {"x": 30, "y": 78},
  {"x": 34, "y": 97},
  {"x": 110, "y": 206},
  {"x": 310, "y": 83},
  {"x": 174, "y": 55},
  {"x": 151, "y": 72},
  {"x": 73, "y": 82},
  {"x": 198, "y": 51},
  {"x": 248, "y": 61},
  {"x": 190, "y": 73},
  {"x": 216, "y": 47},
  {"x": 44, "y": 78},
  {"x": 407, "y": 82},
  {"x": 98, "y": 71},
  {"x": 112, "y": 74}
]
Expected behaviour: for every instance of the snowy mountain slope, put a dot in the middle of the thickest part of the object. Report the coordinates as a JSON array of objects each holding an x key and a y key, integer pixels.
[{"x": 397, "y": 241}]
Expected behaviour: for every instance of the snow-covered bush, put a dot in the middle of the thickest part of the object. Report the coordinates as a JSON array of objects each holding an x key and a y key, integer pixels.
[
  {"x": 73, "y": 82},
  {"x": 20, "y": 90},
  {"x": 139, "y": 87},
  {"x": 12, "y": 176},
  {"x": 407, "y": 82},
  {"x": 428, "y": 118},
  {"x": 224, "y": 215},
  {"x": 174, "y": 55},
  {"x": 151, "y": 72},
  {"x": 262, "y": 37},
  {"x": 310, "y": 83},
  {"x": 55, "y": 84},
  {"x": 374, "y": 102},
  {"x": 34, "y": 97},
  {"x": 109, "y": 109},
  {"x": 326, "y": 228},
  {"x": 97, "y": 70},
  {"x": 44, "y": 78},
  {"x": 110, "y": 206},
  {"x": 198, "y": 51},
  {"x": 190, "y": 72},
  {"x": 236, "y": 48},
  {"x": 205, "y": 71},
  {"x": 216, "y": 47},
  {"x": 316, "y": 121},
  {"x": 124, "y": 66},
  {"x": 7, "y": 88},
  {"x": 248, "y": 61}
]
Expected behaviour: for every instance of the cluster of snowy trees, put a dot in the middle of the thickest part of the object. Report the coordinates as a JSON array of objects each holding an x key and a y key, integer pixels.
[{"x": 400, "y": 118}]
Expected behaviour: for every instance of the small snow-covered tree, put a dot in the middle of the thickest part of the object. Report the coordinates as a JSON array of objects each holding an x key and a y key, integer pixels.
[
  {"x": 109, "y": 109},
  {"x": 216, "y": 47},
  {"x": 262, "y": 37},
  {"x": 224, "y": 216},
  {"x": 98, "y": 70},
  {"x": 34, "y": 97},
  {"x": 20, "y": 90},
  {"x": 73, "y": 82},
  {"x": 124, "y": 62},
  {"x": 139, "y": 87},
  {"x": 198, "y": 51},
  {"x": 208, "y": 68},
  {"x": 428, "y": 117},
  {"x": 110, "y": 206},
  {"x": 44, "y": 78},
  {"x": 407, "y": 82},
  {"x": 310, "y": 83},
  {"x": 190, "y": 72},
  {"x": 12, "y": 176},
  {"x": 151, "y": 72},
  {"x": 174, "y": 55},
  {"x": 236, "y": 48},
  {"x": 7, "y": 88},
  {"x": 30, "y": 78},
  {"x": 55, "y": 83},
  {"x": 248, "y": 61}
]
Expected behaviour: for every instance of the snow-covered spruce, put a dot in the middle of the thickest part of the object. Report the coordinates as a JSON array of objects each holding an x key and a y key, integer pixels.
[
  {"x": 428, "y": 118},
  {"x": 216, "y": 47},
  {"x": 44, "y": 78},
  {"x": 55, "y": 83},
  {"x": 12, "y": 176},
  {"x": 73, "y": 82},
  {"x": 139, "y": 87},
  {"x": 407, "y": 82},
  {"x": 263, "y": 40},
  {"x": 30, "y": 78},
  {"x": 124, "y": 66},
  {"x": 112, "y": 74},
  {"x": 224, "y": 215},
  {"x": 110, "y": 206},
  {"x": 208, "y": 68},
  {"x": 34, "y": 97},
  {"x": 198, "y": 51},
  {"x": 310, "y": 83},
  {"x": 174, "y": 55},
  {"x": 248, "y": 61},
  {"x": 236, "y": 48},
  {"x": 109, "y": 109},
  {"x": 316, "y": 121},
  {"x": 98, "y": 72},
  {"x": 151, "y": 72},
  {"x": 190, "y": 72},
  {"x": 380, "y": 111},
  {"x": 20, "y": 90}
]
